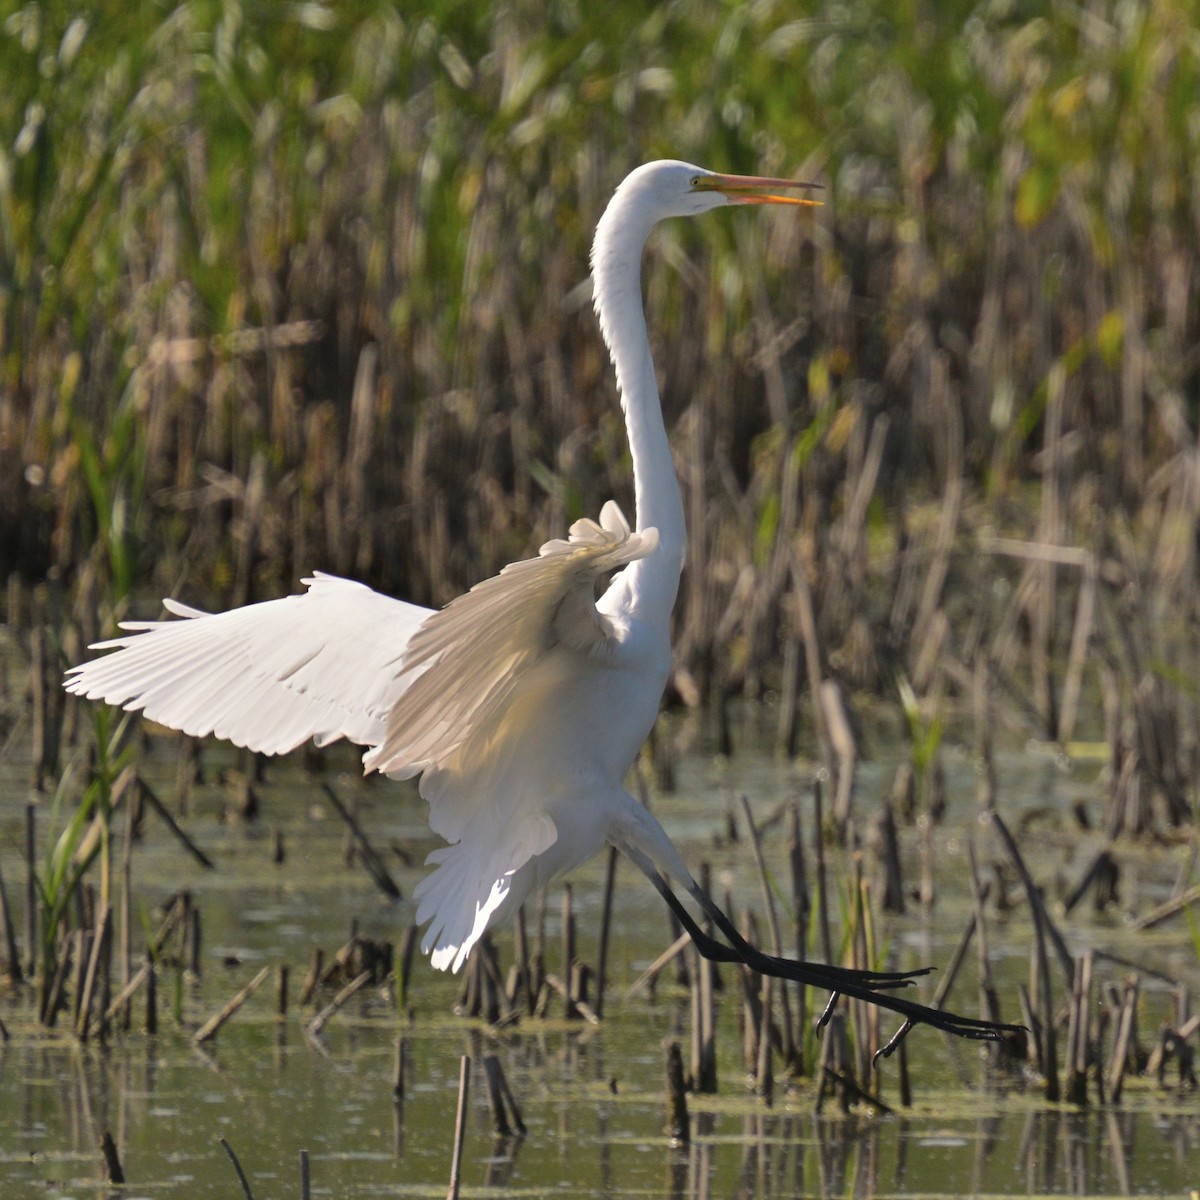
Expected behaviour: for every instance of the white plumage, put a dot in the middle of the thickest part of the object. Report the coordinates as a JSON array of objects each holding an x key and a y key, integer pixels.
[{"x": 523, "y": 703}]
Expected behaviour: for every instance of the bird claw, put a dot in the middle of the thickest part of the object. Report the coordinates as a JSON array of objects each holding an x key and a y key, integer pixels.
[
  {"x": 823, "y": 1019},
  {"x": 888, "y": 1050}
]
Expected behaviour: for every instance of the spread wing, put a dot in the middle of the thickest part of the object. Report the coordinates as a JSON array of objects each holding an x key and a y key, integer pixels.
[
  {"x": 466, "y": 661},
  {"x": 324, "y": 664}
]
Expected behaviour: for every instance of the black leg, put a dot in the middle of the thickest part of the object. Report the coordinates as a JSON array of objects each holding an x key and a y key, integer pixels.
[{"x": 867, "y": 986}]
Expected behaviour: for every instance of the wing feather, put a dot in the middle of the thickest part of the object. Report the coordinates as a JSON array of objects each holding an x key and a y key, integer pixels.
[
  {"x": 324, "y": 664},
  {"x": 466, "y": 660}
]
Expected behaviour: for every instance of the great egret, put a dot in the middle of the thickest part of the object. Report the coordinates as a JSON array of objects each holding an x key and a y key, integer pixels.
[{"x": 523, "y": 703}]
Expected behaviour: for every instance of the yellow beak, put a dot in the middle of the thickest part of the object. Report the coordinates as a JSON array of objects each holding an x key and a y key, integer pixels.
[{"x": 752, "y": 189}]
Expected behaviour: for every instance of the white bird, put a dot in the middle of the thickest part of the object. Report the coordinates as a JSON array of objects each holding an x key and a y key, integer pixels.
[{"x": 523, "y": 703}]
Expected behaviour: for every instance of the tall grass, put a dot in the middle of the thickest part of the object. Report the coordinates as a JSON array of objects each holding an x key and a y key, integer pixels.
[{"x": 294, "y": 287}]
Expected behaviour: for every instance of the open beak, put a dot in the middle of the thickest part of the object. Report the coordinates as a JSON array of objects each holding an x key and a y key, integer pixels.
[{"x": 751, "y": 189}]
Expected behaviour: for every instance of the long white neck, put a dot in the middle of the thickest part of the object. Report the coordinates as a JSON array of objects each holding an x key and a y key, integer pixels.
[{"x": 617, "y": 295}]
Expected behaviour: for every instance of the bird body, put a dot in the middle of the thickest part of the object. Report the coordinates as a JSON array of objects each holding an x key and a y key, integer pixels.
[{"x": 524, "y": 702}]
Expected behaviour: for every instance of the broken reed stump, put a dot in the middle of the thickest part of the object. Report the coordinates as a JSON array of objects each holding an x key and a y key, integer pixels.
[
  {"x": 1079, "y": 1043},
  {"x": 703, "y": 1020},
  {"x": 678, "y": 1127},
  {"x": 282, "y": 973},
  {"x": 888, "y": 853},
  {"x": 402, "y": 965},
  {"x": 1102, "y": 877},
  {"x": 113, "y": 1171},
  {"x": 151, "y": 1000},
  {"x": 10, "y": 956},
  {"x": 483, "y": 993},
  {"x": 399, "y": 1070},
  {"x": 1124, "y": 1052}
]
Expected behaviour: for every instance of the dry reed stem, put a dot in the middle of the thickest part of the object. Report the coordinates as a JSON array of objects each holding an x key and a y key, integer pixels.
[
  {"x": 237, "y": 1166},
  {"x": 823, "y": 911},
  {"x": 210, "y": 1027},
  {"x": 121, "y": 1000},
  {"x": 813, "y": 660},
  {"x": 523, "y": 984},
  {"x": 768, "y": 898},
  {"x": 125, "y": 949},
  {"x": 97, "y": 963},
  {"x": 339, "y": 1001},
  {"x": 841, "y": 738},
  {"x": 371, "y": 860},
  {"x": 651, "y": 973},
  {"x": 568, "y": 948},
  {"x": 802, "y": 910},
  {"x": 578, "y": 1008},
  {"x": 1168, "y": 909},
  {"x": 316, "y": 969},
  {"x": 31, "y": 893},
  {"x": 989, "y": 1001},
  {"x": 610, "y": 880},
  {"x": 1040, "y": 986},
  {"x": 184, "y": 840},
  {"x": 460, "y": 1126}
]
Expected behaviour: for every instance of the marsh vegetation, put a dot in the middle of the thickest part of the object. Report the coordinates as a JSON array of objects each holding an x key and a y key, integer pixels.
[{"x": 285, "y": 289}]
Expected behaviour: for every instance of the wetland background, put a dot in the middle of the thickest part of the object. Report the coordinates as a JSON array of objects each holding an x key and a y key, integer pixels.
[{"x": 305, "y": 287}]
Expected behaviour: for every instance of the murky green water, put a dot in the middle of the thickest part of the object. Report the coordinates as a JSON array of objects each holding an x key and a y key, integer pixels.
[{"x": 591, "y": 1097}]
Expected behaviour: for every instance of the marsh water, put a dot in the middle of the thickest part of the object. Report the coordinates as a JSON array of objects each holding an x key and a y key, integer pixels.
[{"x": 591, "y": 1095}]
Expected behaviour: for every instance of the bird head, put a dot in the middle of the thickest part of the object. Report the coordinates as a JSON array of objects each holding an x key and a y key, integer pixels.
[{"x": 678, "y": 189}]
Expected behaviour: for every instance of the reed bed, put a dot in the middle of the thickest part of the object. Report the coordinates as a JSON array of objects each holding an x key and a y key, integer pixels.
[{"x": 307, "y": 289}]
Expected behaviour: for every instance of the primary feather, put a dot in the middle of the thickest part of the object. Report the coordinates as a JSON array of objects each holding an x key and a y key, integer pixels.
[{"x": 269, "y": 676}]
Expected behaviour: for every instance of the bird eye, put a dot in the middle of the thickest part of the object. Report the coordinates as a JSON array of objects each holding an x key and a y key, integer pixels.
[{"x": 695, "y": 181}]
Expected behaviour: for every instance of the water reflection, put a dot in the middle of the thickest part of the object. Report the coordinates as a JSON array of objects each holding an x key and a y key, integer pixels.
[
  {"x": 1060, "y": 1153},
  {"x": 59, "y": 1100}
]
